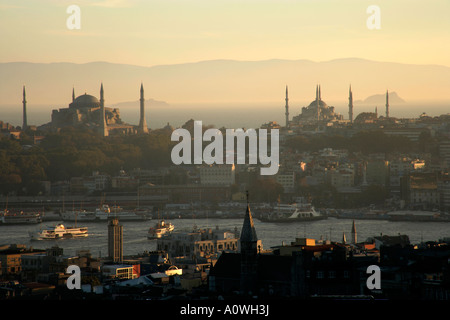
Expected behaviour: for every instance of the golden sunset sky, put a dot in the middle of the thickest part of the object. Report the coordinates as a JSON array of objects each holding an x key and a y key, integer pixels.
[{"x": 156, "y": 32}]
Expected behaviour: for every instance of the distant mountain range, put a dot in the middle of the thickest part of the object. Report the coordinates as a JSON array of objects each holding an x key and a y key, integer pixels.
[{"x": 222, "y": 81}]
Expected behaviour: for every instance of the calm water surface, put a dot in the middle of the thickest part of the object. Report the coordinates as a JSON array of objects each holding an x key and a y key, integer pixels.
[{"x": 271, "y": 234}]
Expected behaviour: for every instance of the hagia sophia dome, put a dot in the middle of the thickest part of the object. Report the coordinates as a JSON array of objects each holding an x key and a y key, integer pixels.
[{"x": 85, "y": 101}]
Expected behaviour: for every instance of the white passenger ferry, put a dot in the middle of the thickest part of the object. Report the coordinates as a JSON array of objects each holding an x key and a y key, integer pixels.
[
  {"x": 160, "y": 229},
  {"x": 59, "y": 232}
]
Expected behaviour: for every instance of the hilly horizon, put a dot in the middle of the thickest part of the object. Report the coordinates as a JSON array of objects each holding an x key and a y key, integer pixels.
[
  {"x": 381, "y": 99},
  {"x": 215, "y": 90},
  {"x": 222, "y": 81}
]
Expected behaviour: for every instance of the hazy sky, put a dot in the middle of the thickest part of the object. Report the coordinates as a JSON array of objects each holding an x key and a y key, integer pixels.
[{"x": 156, "y": 32}]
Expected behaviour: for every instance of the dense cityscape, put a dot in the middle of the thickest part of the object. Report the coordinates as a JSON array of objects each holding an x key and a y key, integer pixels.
[
  {"x": 224, "y": 158},
  {"x": 371, "y": 166}
]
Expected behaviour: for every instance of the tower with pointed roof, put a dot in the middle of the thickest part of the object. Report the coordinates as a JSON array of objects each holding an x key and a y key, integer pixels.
[
  {"x": 142, "y": 122},
  {"x": 24, "y": 102},
  {"x": 249, "y": 252}
]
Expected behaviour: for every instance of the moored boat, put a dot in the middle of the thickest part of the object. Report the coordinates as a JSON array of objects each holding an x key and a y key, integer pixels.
[
  {"x": 292, "y": 213},
  {"x": 78, "y": 215},
  {"x": 20, "y": 217},
  {"x": 418, "y": 216},
  {"x": 105, "y": 212}
]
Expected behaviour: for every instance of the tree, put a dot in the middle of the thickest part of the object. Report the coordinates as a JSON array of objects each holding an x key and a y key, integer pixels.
[{"x": 265, "y": 190}]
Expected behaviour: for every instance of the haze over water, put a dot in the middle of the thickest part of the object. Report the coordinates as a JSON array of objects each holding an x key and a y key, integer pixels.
[{"x": 225, "y": 115}]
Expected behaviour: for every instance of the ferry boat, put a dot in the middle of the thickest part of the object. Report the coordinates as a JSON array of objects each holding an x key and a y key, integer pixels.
[
  {"x": 105, "y": 212},
  {"x": 59, "y": 232},
  {"x": 78, "y": 215},
  {"x": 160, "y": 229},
  {"x": 291, "y": 213},
  {"x": 21, "y": 217},
  {"x": 418, "y": 216}
]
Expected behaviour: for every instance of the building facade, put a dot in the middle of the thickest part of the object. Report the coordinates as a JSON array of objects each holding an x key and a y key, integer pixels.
[{"x": 115, "y": 240}]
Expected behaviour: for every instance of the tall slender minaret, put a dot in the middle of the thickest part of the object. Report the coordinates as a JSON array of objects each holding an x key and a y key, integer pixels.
[
  {"x": 287, "y": 108},
  {"x": 318, "y": 105},
  {"x": 142, "y": 122},
  {"x": 24, "y": 102},
  {"x": 73, "y": 94},
  {"x": 387, "y": 104},
  {"x": 249, "y": 252},
  {"x": 350, "y": 105},
  {"x": 103, "y": 125}
]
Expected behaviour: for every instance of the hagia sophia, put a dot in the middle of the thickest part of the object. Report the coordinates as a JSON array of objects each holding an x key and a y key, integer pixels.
[{"x": 89, "y": 112}]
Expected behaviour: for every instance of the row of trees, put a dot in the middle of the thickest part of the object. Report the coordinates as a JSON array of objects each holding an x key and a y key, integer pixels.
[
  {"x": 366, "y": 142},
  {"x": 72, "y": 153}
]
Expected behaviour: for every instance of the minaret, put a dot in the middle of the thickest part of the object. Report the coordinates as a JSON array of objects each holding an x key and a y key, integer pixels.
[
  {"x": 287, "y": 108},
  {"x": 350, "y": 105},
  {"x": 249, "y": 252},
  {"x": 24, "y": 101},
  {"x": 354, "y": 234},
  {"x": 318, "y": 105},
  {"x": 103, "y": 125},
  {"x": 73, "y": 94},
  {"x": 102, "y": 98},
  {"x": 142, "y": 122},
  {"x": 387, "y": 104},
  {"x": 320, "y": 96}
]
